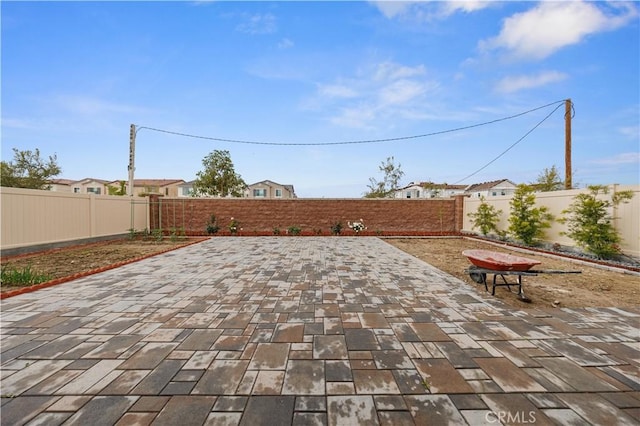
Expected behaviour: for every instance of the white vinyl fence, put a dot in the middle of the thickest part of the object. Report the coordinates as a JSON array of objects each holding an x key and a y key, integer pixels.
[
  {"x": 626, "y": 216},
  {"x": 33, "y": 217}
]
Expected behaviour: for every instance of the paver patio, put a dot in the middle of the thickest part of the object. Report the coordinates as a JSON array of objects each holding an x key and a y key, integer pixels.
[{"x": 306, "y": 331}]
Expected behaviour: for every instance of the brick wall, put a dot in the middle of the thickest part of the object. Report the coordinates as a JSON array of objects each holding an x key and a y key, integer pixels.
[{"x": 381, "y": 216}]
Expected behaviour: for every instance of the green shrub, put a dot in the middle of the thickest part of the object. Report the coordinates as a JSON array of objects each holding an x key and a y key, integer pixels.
[
  {"x": 294, "y": 230},
  {"x": 132, "y": 233},
  {"x": 589, "y": 222},
  {"x": 22, "y": 277},
  {"x": 157, "y": 234},
  {"x": 526, "y": 222},
  {"x": 135, "y": 234},
  {"x": 212, "y": 225},
  {"x": 177, "y": 234},
  {"x": 336, "y": 228},
  {"x": 486, "y": 218}
]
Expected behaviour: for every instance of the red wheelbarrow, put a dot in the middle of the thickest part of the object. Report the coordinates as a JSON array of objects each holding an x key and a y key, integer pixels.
[{"x": 500, "y": 264}]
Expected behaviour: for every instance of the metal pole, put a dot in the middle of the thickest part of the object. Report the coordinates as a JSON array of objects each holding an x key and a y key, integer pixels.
[{"x": 568, "y": 184}]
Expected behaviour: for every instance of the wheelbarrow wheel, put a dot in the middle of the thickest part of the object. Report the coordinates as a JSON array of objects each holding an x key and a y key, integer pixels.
[{"x": 478, "y": 277}]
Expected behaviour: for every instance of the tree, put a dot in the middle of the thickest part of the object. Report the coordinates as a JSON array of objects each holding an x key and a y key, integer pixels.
[
  {"x": 526, "y": 222},
  {"x": 28, "y": 170},
  {"x": 486, "y": 217},
  {"x": 589, "y": 221},
  {"x": 218, "y": 177},
  {"x": 549, "y": 180},
  {"x": 121, "y": 189},
  {"x": 391, "y": 182}
]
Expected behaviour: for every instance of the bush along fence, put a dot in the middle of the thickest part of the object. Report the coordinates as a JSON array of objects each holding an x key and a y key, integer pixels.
[
  {"x": 249, "y": 217},
  {"x": 600, "y": 221}
]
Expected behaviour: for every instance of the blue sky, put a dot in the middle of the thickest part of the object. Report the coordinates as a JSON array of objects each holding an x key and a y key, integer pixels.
[{"x": 75, "y": 75}]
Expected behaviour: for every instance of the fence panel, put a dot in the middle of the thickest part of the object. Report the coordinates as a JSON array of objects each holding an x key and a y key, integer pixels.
[
  {"x": 33, "y": 217},
  {"x": 626, "y": 216}
]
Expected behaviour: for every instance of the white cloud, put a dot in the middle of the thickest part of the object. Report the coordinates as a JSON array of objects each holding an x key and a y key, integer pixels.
[
  {"x": 378, "y": 93},
  {"x": 388, "y": 71},
  {"x": 467, "y": 6},
  {"x": 623, "y": 158},
  {"x": 401, "y": 92},
  {"x": 427, "y": 10},
  {"x": 258, "y": 24},
  {"x": 336, "y": 91},
  {"x": 630, "y": 132},
  {"x": 392, "y": 9},
  {"x": 359, "y": 116},
  {"x": 516, "y": 83},
  {"x": 552, "y": 25},
  {"x": 285, "y": 43}
]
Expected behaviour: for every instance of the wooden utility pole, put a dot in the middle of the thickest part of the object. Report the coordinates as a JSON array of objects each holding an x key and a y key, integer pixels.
[
  {"x": 132, "y": 154},
  {"x": 567, "y": 144}
]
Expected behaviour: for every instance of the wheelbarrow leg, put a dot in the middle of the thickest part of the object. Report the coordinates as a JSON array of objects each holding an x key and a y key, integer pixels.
[
  {"x": 495, "y": 284},
  {"x": 521, "y": 295}
]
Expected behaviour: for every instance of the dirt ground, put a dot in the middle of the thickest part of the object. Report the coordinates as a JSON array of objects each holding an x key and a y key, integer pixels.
[
  {"x": 592, "y": 287},
  {"x": 64, "y": 262}
]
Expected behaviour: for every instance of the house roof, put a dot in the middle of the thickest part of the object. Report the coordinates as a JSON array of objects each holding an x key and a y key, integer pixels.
[
  {"x": 61, "y": 181},
  {"x": 487, "y": 185},
  {"x": 432, "y": 185},
  {"x": 271, "y": 183},
  {"x": 157, "y": 182},
  {"x": 467, "y": 188},
  {"x": 268, "y": 182},
  {"x": 102, "y": 181}
]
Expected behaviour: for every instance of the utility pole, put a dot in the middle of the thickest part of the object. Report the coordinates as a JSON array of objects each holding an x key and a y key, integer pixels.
[
  {"x": 132, "y": 154},
  {"x": 568, "y": 184}
]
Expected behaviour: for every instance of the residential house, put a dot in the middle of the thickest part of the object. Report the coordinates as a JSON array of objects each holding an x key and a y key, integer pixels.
[
  {"x": 442, "y": 190},
  {"x": 269, "y": 189},
  {"x": 494, "y": 188},
  {"x": 429, "y": 190},
  {"x": 60, "y": 185},
  {"x": 163, "y": 187},
  {"x": 89, "y": 186},
  {"x": 117, "y": 187},
  {"x": 186, "y": 189}
]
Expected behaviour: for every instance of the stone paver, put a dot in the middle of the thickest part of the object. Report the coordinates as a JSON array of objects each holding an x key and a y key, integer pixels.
[{"x": 306, "y": 331}]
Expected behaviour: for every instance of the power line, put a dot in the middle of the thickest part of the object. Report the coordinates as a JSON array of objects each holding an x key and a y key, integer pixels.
[
  {"x": 511, "y": 146},
  {"x": 353, "y": 142}
]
